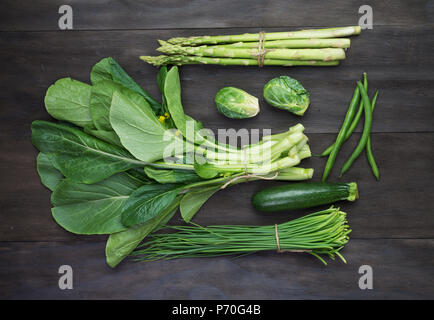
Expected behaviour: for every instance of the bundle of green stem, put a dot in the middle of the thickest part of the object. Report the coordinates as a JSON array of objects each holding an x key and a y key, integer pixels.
[
  {"x": 320, "y": 233},
  {"x": 315, "y": 47},
  {"x": 273, "y": 153}
]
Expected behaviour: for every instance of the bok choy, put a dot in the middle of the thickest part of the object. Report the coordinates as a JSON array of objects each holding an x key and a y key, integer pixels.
[{"x": 121, "y": 163}]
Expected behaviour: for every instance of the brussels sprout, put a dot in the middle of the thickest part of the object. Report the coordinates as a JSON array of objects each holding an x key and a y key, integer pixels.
[
  {"x": 288, "y": 94},
  {"x": 236, "y": 104}
]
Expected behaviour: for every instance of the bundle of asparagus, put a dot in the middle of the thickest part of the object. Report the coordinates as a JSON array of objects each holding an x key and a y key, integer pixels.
[{"x": 315, "y": 47}]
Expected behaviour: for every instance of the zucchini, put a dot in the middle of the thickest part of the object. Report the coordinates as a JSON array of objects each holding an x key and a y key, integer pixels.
[{"x": 303, "y": 195}]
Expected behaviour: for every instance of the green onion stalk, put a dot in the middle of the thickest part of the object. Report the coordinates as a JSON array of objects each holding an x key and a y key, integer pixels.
[{"x": 321, "y": 233}]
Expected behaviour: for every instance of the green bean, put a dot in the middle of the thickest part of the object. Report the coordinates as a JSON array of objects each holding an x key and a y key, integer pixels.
[
  {"x": 371, "y": 159},
  {"x": 355, "y": 122},
  {"x": 341, "y": 136},
  {"x": 366, "y": 130},
  {"x": 369, "y": 153}
]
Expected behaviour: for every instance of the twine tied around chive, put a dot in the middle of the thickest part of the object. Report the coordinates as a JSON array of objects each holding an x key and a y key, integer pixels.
[
  {"x": 248, "y": 175},
  {"x": 276, "y": 233}
]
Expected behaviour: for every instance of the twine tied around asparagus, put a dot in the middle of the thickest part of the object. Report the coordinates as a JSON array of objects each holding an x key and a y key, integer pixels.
[
  {"x": 285, "y": 250},
  {"x": 248, "y": 175},
  {"x": 261, "y": 49}
]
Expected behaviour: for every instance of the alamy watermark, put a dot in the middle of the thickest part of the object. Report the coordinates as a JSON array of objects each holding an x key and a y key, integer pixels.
[
  {"x": 366, "y": 281},
  {"x": 203, "y": 146},
  {"x": 65, "y": 21},
  {"x": 66, "y": 280},
  {"x": 367, "y": 18}
]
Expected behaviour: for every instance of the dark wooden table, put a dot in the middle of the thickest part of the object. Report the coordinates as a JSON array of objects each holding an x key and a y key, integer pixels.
[{"x": 392, "y": 222}]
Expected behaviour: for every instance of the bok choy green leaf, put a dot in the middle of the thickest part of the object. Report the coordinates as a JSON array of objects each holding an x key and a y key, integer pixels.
[
  {"x": 68, "y": 100},
  {"x": 172, "y": 175},
  {"x": 139, "y": 130},
  {"x": 121, "y": 244},
  {"x": 50, "y": 176},
  {"x": 93, "y": 209},
  {"x": 148, "y": 201},
  {"x": 193, "y": 201},
  {"x": 79, "y": 156},
  {"x": 109, "y": 69}
]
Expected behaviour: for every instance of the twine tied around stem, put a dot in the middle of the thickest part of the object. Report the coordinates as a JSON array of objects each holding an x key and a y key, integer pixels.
[
  {"x": 261, "y": 49},
  {"x": 248, "y": 175},
  {"x": 276, "y": 233}
]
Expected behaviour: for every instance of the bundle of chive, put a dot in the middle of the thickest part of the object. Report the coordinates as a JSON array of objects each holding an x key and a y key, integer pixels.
[
  {"x": 352, "y": 118},
  {"x": 324, "y": 232},
  {"x": 314, "y": 47}
]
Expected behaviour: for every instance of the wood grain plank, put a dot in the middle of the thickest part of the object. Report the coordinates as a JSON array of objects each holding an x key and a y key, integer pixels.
[
  {"x": 32, "y": 61},
  {"x": 402, "y": 269},
  {"x": 395, "y": 207},
  {"x": 392, "y": 221},
  {"x": 128, "y": 14}
]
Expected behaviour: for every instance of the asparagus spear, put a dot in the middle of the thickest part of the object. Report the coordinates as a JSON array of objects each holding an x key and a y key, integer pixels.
[
  {"x": 327, "y": 54},
  {"x": 180, "y": 60},
  {"x": 302, "y": 34},
  {"x": 295, "y": 43}
]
